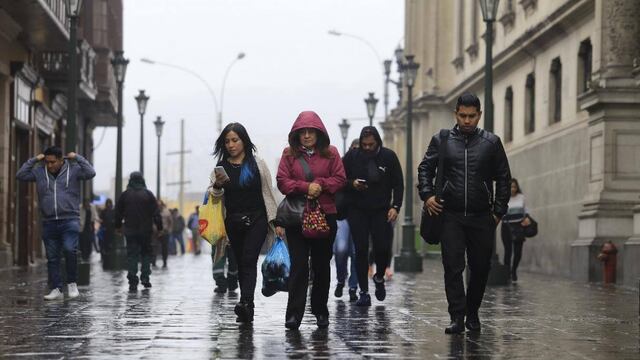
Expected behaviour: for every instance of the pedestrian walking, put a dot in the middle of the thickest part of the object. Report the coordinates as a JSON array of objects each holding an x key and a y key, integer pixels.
[
  {"x": 475, "y": 160},
  {"x": 309, "y": 151},
  {"x": 58, "y": 181},
  {"x": 245, "y": 183},
  {"x": 192, "y": 223},
  {"x": 106, "y": 232},
  {"x": 512, "y": 228},
  {"x": 375, "y": 183},
  {"x": 177, "y": 236},
  {"x": 138, "y": 209},
  {"x": 163, "y": 235},
  {"x": 88, "y": 216}
]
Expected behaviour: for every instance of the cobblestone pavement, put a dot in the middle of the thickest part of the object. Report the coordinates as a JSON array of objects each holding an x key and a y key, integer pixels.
[{"x": 180, "y": 318}]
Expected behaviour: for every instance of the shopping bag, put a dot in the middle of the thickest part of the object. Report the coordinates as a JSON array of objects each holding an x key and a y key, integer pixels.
[
  {"x": 275, "y": 269},
  {"x": 211, "y": 219},
  {"x": 314, "y": 221}
]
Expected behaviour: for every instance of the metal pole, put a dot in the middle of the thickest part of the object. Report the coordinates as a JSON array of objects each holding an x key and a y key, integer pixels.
[
  {"x": 142, "y": 143},
  {"x": 182, "y": 151},
  {"x": 158, "y": 171},
  {"x": 71, "y": 133},
  {"x": 119, "y": 146},
  {"x": 408, "y": 260},
  {"x": 386, "y": 97}
]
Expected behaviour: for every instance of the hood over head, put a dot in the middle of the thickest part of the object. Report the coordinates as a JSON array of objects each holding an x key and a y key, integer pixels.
[
  {"x": 309, "y": 119},
  {"x": 368, "y": 131},
  {"x": 136, "y": 181}
]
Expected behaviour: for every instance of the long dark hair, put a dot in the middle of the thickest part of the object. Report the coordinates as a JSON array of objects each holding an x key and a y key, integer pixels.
[
  {"x": 322, "y": 143},
  {"x": 249, "y": 165},
  {"x": 515, "y": 181}
]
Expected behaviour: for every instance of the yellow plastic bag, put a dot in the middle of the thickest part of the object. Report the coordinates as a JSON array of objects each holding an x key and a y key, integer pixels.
[{"x": 211, "y": 220}]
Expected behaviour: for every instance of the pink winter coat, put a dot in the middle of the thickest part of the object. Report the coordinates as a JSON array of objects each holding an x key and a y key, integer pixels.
[{"x": 328, "y": 172}]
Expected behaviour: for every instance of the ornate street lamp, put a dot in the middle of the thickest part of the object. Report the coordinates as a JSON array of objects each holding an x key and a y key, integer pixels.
[
  {"x": 119, "y": 64},
  {"x": 399, "y": 54},
  {"x": 73, "y": 8},
  {"x": 499, "y": 274},
  {"x": 371, "y": 103},
  {"x": 387, "y": 72},
  {"x": 142, "y": 100},
  {"x": 240, "y": 56},
  {"x": 344, "y": 132},
  {"x": 158, "y": 124},
  {"x": 408, "y": 260}
]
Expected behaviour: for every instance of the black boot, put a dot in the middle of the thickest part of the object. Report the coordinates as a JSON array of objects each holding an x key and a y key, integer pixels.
[
  {"x": 381, "y": 292},
  {"x": 338, "y": 292},
  {"x": 473, "y": 322},
  {"x": 244, "y": 311},
  {"x": 322, "y": 321},
  {"x": 456, "y": 326},
  {"x": 232, "y": 283},
  {"x": 353, "y": 294},
  {"x": 292, "y": 323}
]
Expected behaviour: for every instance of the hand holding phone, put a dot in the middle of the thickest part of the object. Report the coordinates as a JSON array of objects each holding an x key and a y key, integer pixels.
[
  {"x": 360, "y": 184},
  {"x": 221, "y": 175}
]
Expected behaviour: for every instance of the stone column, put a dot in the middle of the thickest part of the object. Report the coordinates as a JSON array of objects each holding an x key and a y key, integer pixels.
[
  {"x": 613, "y": 104},
  {"x": 5, "y": 151},
  {"x": 631, "y": 253}
]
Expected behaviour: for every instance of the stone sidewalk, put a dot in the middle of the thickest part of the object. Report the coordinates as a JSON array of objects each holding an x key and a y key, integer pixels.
[{"x": 181, "y": 318}]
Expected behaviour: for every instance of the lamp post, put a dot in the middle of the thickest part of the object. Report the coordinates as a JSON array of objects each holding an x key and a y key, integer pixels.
[
  {"x": 408, "y": 260},
  {"x": 344, "y": 132},
  {"x": 399, "y": 54},
  {"x": 73, "y": 8},
  {"x": 158, "y": 124},
  {"x": 499, "y": 274},
  {"x": 240, "y": 56},
  {"x": 119, "y": 63},
  {"x": 142, "y": 100},
  {"x": 371, "y": 103}
]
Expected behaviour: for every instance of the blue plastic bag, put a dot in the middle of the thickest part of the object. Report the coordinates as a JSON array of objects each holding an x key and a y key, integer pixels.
[{"x": 275, "y": 268}]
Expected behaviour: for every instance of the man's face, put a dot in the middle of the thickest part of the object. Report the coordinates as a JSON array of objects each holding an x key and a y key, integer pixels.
[
  {"x": 53, "y": 163},
  {"x": 369, "y": 143},
  {"x": 467, "y": 118}
]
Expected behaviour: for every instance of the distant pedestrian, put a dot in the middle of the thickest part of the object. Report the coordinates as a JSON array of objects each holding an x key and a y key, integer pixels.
[
  {"x": 88, "y": 217},
  {"x": 512, "y": 228},
  {"x": 58, "y": 181},
  {"x": 106, "y": 232},
  {"x": 164, "y": 235},
  {"x": 177, "y": 232},
  {"x": 245, "y": 183},
  {"x": 224, "y": 269},
  {"x": 309, "y": 148},
  {"x": 375, "y": 183},
  {"x": 138, "y": 208},
  {"x": 474, "y": 160},
  {"x": 344, "y": 250},
  {"x": 192, "y": 223}
]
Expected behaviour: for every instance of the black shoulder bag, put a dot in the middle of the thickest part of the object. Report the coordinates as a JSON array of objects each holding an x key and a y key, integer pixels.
[
  {"x": 431, "y": 225},
  {"x": 290, "y": 209}
]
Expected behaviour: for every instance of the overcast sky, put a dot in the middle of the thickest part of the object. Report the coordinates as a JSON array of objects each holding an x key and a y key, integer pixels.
[{"x": 292, "y": 64}]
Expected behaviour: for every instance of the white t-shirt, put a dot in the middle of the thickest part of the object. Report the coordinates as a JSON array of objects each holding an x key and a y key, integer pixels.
[{"x": 517, "y": 209}]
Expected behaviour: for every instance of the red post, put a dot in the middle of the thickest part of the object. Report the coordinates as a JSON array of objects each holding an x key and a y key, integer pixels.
[{"x": 609, "y": 258}]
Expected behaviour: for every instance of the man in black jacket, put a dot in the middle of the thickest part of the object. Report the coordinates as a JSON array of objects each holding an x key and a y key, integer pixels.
[
  {"x": 474, "y": 160},
  {"x": 374, "y": 175},
  {"x": 139, "y": 209}
]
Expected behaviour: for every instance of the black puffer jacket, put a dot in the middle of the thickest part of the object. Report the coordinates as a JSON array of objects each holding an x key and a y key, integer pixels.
[{"x": 472, "y": 164}]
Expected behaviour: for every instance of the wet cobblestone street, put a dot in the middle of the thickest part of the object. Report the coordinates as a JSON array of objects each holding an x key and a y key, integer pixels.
[{"x": 181, "y": 318}]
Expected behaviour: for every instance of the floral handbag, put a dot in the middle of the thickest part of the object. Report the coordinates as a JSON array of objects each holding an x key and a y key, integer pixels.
[{"x": 314, "y": 221}]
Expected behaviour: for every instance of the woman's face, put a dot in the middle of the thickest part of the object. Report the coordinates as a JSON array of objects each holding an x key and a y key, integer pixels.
[
  {"x": 233, "y": 144},
  {"x": 308, "y": 138},
  {"x": 514, "y": 189}
]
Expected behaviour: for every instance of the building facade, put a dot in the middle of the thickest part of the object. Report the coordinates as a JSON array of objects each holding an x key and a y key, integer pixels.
[
  {"x": 567, "y": 106},
  {"x": 34, "y": 38}
]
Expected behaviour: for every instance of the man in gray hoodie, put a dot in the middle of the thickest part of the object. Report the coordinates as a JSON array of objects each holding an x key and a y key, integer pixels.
[{"x": 58, "y": 181}]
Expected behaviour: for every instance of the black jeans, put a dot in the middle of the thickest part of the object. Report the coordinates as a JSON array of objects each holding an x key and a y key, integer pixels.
[
  {"x": 512, "y": 239},
  {"x": 246, "y": 240},
  {"x": 164, "y": 247},
  {"x": 321, "y": 251},
  {"x": 139, "y": 251},
  {"x": 365, "y": 223},
  {"x": 474, "y": 236}
]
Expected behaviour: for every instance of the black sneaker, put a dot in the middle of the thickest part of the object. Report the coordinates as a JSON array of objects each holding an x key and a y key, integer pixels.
[
  {"x": 146, "y": 285},
  {"x": 353, "y": 294},
  {"x": 381, "y": 292},
  {"x": 220, "y": 289},
  {"x": 338, "y": 292},
  {"x": 514, "y": 277},
  {"x": 133, "y": 288},
  {"x": 232, "y": 283},
  {"x": 473, "y": 322},
  {"x": 456, "y": 326},
  {"x": 364, "y": 300},
  {"x": 244, "y": 311}
]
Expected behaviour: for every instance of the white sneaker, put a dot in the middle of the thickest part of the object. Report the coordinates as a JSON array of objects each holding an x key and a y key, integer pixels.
[
  {"x": 73, "y": 290},
  {"x": 55, "y": 294}
]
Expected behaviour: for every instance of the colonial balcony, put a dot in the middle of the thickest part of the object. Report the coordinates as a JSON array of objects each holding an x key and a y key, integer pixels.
[
  {"x": 53, "y": 66},
  {"x": 45, "y": 26}
]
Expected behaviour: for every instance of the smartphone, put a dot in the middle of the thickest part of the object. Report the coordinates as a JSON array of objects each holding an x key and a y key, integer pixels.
[
  {"x": 219, "y": 170},
  {"x": 361, "y": 181}
]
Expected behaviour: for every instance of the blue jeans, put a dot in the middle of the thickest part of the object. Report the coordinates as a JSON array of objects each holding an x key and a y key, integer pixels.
[
  {"x": 176, "y": 237},
  {"x": 61, "y": 236},
  {"x": 343, "y": 249}
]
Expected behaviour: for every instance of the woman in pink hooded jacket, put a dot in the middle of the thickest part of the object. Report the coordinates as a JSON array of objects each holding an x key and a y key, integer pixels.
[{"x": 309, "y": 140}]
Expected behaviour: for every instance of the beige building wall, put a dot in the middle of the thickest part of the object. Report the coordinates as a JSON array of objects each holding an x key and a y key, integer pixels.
[{"x": 577, "y": 172}]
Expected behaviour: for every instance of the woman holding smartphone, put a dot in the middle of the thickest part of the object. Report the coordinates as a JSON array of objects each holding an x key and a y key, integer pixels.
[
  {"x": 245, "y": 183},
  {"x": 309, "y": 148}
]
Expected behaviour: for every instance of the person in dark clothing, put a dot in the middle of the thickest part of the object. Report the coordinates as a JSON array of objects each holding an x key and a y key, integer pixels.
[
  {"x": 87, "y": 229},
  {"x": 250, "y": 207},
  {"x": 192, "y": 223},
  {"x": 474, "y": 160},
  {"x": 176, "y": 232},
  {"x": 309, "y": 142},
  {"x": 138, "y": 208},
  {"x": 375, "y": 183},
  {"x": 107, "y": 230}
]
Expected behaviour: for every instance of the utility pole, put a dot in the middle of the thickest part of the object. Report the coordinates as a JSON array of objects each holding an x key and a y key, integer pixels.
[{"x": 182, "y": 182}]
